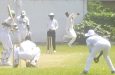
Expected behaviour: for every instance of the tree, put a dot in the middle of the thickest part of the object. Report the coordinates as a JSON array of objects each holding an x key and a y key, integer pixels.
[{"x": 100, "y": 19}]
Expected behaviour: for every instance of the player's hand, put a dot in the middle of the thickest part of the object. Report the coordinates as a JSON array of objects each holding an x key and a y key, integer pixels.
[{"x": 96, "y": 60}]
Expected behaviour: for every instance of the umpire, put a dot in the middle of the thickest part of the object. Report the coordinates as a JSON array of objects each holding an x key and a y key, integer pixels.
[{"x": 51, "y": 33}]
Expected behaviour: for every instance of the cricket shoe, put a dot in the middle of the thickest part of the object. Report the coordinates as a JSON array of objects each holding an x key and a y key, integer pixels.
[
  {"x": 54, "y": 51},
  {"x": 112, "y": 72},
  {"x": 84, "y": 72}
]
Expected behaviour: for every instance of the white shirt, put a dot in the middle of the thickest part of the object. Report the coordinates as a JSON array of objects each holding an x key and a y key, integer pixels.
[
  {"x": 53, "y": 24},
  {"x": 92, "y": 40},
  {"x": 22, "y": 23},
  {"x": 27, "y": 45},
  {"x": 70, "y": 21}
]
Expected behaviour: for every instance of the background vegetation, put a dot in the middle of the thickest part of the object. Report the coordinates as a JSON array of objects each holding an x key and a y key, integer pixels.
[{"x": 99, "y": 18}]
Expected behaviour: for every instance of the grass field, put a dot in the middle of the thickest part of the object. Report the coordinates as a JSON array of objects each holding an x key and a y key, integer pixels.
[{"x": 67, "y": 61}]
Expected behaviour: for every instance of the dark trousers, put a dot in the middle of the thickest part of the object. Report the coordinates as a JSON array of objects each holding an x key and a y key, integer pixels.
[{"x": 51, "y": 36}]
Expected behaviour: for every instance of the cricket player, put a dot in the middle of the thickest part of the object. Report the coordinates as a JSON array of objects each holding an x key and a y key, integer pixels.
[
  {"x": 7, "y": 26},
  {"x": 70, "y": 32},
  {"x": 97, "y": 44},
  {"x": 51, "y": 32},
  {"x": 23, "y": 26},
  {"x": 27, "y": 51}
]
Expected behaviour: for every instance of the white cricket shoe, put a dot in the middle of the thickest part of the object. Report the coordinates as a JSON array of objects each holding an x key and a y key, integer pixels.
[{"x": 54, "y": 51}]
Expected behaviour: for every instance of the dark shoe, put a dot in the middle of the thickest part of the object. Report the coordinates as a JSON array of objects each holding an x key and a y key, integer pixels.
[
  {"x": 84, "y": 72},
  {"x": 112, "y": 72}
]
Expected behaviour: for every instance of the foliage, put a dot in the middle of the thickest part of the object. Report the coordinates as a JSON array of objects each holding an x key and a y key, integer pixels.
[{"x": 100, "y": 19}]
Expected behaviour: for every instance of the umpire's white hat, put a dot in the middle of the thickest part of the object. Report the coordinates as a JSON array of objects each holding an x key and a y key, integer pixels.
[
  {"x": 90, "y": 33},
  {"x": 51, "y": 14}
]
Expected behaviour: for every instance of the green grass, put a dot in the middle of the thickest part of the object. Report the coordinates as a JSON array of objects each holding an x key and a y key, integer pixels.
[{"x": 67, "y": 61}]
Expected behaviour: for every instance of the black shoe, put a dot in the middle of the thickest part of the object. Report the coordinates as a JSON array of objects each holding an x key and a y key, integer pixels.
[
  {"x": 84, "y": 72},
  {"x": 112, "y": 72}
]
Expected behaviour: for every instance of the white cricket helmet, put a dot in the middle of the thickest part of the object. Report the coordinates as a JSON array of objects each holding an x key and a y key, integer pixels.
[{"x": 90, "y": 33}]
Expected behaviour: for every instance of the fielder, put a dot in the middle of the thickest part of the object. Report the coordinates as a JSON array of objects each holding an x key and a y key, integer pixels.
[
  {"x": 97, "y": 44},
  {"x": 23, "y": 26},
  {"x": 27, "y": 51},
  {"x": 70, "y": 32},
  {"x": 7, "y": 26}
]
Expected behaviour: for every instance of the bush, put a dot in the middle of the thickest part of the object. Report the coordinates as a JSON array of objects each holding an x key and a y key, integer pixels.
[{"x": 100, "y": 19}]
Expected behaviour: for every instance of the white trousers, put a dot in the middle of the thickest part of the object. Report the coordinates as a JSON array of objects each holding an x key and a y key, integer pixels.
[
  {"x": 96, "y": 49},
  {"x": 31, "y": 55},
  {"x": 5, "y": 38},
  {"x": 23, "y": 34},
  {"x": 71, "y": 34},
  {"x": 16, "y": 38}
]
